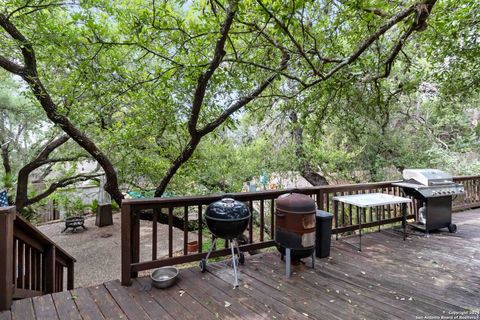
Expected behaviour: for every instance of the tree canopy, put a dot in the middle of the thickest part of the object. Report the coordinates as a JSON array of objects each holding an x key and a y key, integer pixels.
[{"x": 199, "y": 96}]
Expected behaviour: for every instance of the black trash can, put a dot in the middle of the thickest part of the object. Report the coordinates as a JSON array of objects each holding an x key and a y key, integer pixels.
[{"x": 323, "y": 234}]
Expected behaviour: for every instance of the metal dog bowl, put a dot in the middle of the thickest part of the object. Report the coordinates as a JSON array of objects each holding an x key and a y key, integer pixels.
[{"x": 164, "y": 277}]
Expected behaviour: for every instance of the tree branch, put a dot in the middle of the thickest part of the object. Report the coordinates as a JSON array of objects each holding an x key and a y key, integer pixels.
[
  {"x": 245, "y": 99},
  {"x": 292, "y": 38},
  {"x": 21, "y": 197},
  {"x": 30, "y": 75},
  {"x": 419, "y": 24},
  {"x": 197, "y": 136},
  {"x": 61, "y": 184},
  {"x": 393, "y": 54},
  {"x": 365, "y": 44},
  {"x": 11, "y": 66},
  {"x": 204, "y": 79}
]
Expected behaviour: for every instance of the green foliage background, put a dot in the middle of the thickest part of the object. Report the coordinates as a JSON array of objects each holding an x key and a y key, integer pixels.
[{"x": 124, "y": 72}]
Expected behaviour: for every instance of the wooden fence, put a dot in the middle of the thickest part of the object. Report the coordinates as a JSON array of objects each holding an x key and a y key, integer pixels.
[
  {"x": 261, "y": 228},
  {"x": 30, "y": 263}
]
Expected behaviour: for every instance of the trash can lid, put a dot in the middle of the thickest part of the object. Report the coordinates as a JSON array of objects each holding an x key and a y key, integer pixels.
[{"x": 323, "y": 214}]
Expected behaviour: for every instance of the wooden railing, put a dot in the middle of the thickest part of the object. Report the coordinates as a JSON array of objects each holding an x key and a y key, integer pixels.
[
  {"x": 30, "y": 263},
  {"x": 471, "y": 198},
  {"x": 261, "y": 228}
]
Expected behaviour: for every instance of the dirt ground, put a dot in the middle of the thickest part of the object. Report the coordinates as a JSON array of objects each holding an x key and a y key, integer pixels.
[{"x": 97, "y": 250}]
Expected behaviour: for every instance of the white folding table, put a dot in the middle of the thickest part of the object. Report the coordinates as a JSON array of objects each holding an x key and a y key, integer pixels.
[{"x": 370, "y": 200}]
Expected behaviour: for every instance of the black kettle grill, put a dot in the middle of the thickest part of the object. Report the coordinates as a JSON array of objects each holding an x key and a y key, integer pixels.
[{"x": 227, "y": 219}]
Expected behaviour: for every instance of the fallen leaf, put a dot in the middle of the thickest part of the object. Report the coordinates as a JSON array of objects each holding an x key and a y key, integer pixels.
[
  {"x": 181, "y": 292},
  {"x": 305, "y": 314},
  {"x": 227, "y": 304}
]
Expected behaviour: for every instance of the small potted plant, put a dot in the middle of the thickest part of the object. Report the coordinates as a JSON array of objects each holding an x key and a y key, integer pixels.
[{"x": 192, "y": 246}]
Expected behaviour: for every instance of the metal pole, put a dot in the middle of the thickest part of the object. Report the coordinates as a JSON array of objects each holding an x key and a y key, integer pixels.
[
  {"x": 234, "y": 260},
  {"x": 363, "y": 212},
  {"x": 211, "y": 249},
  {"x": 335, "y": 211},
  {"x": 288, "y": 261}
]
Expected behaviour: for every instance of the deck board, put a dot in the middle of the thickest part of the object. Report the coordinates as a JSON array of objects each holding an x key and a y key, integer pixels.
[
  {"x": 147, "y": 302},
  {"x": 165, "y": 300},
  {"x": 44, "y": 308},
  {"x": 125, "y": 301},
  {"x": 86, "y": 305},
  {"x": 389, "y": 279},
  {"x": 105, "y": 303},
  {"x": 23, "y": 310},
  {"x": 65, "y": 306},
  {"x": 6, "y": 315}
]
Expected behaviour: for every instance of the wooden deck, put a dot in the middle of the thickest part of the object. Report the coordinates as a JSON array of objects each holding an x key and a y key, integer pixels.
[{"x": 390, "y": 279}]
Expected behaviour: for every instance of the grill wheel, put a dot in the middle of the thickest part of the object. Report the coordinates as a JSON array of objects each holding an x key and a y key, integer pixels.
[{"x": 452, "y": 228}]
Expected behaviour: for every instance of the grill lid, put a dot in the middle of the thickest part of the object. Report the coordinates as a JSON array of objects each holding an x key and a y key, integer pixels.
[
  {"x": 428, "y": 177},
  {"x": 296, "y": 203},
  {"x": 227, "y": 209}
]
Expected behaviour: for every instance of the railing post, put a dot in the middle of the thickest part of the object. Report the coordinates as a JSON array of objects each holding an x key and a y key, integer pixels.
[
  {"x": 50, "y": 270},
  {"x": 70, "y": 275},
  {"x": 126, "y": 244},
  {"x": 135, "y": 241},
  {"x": 7, "y": 217}
]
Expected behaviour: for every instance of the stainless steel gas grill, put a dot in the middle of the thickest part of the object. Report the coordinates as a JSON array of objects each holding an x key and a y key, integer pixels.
[{"x": 433, "y": 189}]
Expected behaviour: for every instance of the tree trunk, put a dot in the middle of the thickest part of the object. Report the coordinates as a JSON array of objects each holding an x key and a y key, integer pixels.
[
  {"x": 6, "y": 160},
  {"x": 29, "y": 74},
  {"x": 305, "y": 168},
  {"x": 179, "y": 161}
]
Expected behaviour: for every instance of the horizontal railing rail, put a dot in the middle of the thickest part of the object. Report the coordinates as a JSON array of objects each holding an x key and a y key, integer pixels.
[
  {"x": 180, "y": 211},
  {"x": 33, "y": 264}
]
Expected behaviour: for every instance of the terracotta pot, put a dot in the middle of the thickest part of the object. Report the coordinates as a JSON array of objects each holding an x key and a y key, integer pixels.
[{"x": 192, "y": 246}]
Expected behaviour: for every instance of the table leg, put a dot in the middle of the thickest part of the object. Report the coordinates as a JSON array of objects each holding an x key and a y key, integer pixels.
[
  {"x": 404, "y": 220},
  {"x": 335, "y": 211},
  {"x": 363, "y": 212},
  {"x": 378, "y": 217}
]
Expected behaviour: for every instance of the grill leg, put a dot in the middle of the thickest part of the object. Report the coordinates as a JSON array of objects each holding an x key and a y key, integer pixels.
[
  {"x": 234, "y": 261},
  {"x": 288, "y": 262},
  {"x": 210, "y": 250},
  {"x": 237, "y": 246}
]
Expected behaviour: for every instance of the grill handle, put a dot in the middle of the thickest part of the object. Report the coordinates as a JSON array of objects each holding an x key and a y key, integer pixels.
[
  {"x": 280, "y": 215},
  {"x": 439, "y": 183}
]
